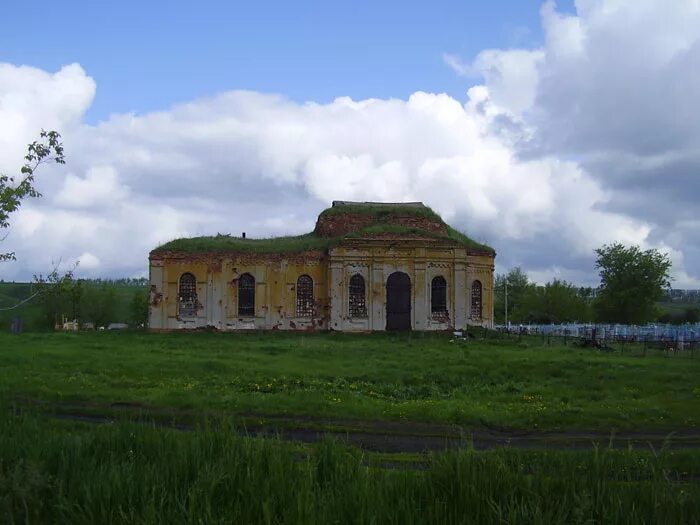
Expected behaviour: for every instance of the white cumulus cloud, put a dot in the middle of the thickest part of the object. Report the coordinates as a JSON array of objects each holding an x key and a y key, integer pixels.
[
  {"x": 559, "y": 150},
  {"x": 99, "y": 187},
  {"x": 613, "y": 87}
]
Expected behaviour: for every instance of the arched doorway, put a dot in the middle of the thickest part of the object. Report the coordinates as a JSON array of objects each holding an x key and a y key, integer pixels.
[{"x": 398, "y": 302}]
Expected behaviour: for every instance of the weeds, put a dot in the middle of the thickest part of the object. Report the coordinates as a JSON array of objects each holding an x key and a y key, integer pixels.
[{"x": 57, "y": 472}]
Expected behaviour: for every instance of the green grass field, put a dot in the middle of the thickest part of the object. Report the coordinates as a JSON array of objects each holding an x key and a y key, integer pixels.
[
  {"x": 58, "y": 472},
  {"x": 418, "y": 377},
  {"x": 55, "y": 468}
]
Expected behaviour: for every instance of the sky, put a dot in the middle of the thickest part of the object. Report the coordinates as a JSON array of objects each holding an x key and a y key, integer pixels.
[{"x": 545, "y": 129}]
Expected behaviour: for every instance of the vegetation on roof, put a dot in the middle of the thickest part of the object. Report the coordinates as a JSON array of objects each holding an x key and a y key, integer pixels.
[
  {"x": 384, "y": 228},
  {"x": 382, "y": 210},
  {"x": 228, "y": 243},
  {"x": 300, "y": 243},
  {"x": 467, "y": 241},
  {"x": 312, "y": 241}
]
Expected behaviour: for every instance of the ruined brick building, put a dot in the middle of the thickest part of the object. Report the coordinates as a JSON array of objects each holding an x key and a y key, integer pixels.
[{"x": 366, "y": 266}]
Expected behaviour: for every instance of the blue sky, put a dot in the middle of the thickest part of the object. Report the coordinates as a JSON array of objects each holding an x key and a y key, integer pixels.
[
  {"x": 148, "y": 55},
  {"x": 565, "y": 134}
]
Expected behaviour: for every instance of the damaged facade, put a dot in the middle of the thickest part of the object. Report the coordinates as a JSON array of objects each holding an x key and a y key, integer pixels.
[{"x": 366, "y": 266}]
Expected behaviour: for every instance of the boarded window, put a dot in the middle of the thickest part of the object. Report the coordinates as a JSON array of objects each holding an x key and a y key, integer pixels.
[
  {"x": 358, "y": 307},
  {"x": 476, "y": 300},
  {"x": 246, "y": 295},
  {"x": 438, "y": 296},
  {"x": 305, "y": 296},
  {"x": 187, "y": 295}
]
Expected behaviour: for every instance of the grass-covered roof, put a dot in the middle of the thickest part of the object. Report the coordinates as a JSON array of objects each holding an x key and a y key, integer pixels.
[
  {"x": 228, "y": 243},
  {"x": 376, "y": 220},
  {"x": 381, "y": 209}
]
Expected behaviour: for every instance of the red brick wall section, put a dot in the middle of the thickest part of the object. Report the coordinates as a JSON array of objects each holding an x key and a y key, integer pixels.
[
  {"x": 337, "y": 225},
  {"x": 421, "y": 223}
]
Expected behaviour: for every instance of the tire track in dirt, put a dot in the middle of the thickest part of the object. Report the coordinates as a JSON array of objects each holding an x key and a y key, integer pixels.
[{"x": 371, "y": 435}]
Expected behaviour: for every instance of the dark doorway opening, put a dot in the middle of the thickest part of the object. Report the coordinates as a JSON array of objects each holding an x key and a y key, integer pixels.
[{"x": 398, "y": 302}]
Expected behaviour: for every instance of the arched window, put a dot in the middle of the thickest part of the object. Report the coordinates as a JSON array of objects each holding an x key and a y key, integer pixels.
[
  {"x": 476, "y": 300},
  {"x": 438, "y": 296},
  {"x": 246, "y": 295},
  {"x": 305, "y": 296},
  {"x": 357, "y": 306},
  {"x": 187, "y": 295}
]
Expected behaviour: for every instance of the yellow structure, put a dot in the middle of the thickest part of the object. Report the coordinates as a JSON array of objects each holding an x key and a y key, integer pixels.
[{"x": 366, "y": 266}]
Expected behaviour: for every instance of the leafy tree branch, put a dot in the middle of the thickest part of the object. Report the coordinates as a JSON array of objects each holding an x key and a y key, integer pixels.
[{"x": 15, "y": 190}]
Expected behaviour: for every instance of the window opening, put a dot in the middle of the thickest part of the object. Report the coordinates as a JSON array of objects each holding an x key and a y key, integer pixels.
[
  {"x": 188, "y": 295},
  {"x": 438, "y": 296},
  {"x": 305, "y": 296},
  {"x": 358, "y": 307},
  {"x": 246, "y": 295},
  {"x": 476, "y": 300}
]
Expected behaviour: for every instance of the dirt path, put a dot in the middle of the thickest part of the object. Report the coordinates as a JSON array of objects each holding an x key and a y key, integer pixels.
[{"x": 371, "y": 435}]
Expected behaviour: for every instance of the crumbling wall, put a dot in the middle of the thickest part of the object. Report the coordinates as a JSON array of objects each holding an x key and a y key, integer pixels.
[
  {"x": 376, "y": 260},
  {"x": 217, "y": 277},
  {"x": 340, "y": 224},
  {"x": 276, "y": 280}
]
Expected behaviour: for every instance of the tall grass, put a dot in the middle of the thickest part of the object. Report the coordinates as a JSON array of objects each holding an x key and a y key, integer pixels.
[{"x": 58, "y": 472}]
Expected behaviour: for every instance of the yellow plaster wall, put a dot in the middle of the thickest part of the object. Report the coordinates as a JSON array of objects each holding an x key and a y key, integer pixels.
[
  {"x": 422, "y": 261},
  {"x": 217, "y": 292},
  {"x": 276, "y": 277}
]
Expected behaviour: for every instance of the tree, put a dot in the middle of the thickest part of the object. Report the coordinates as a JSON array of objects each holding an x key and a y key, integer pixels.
[
  {"x": 556, "y": 302},
  {"x": 632, "y": 280},
  {"x": 56, "y": 296},
  {"x": 13, "y": 192},
  {"x": 98, "y": 304},
  {"x": 680, "y": 316},
  {"x": 518, "y": 285},
  {"x": 692, "y": 315},
  {"x": 138, "y": 308}
]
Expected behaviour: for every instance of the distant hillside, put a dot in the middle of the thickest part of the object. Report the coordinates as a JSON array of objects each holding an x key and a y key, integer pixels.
[{"x": 32, "y": 313}]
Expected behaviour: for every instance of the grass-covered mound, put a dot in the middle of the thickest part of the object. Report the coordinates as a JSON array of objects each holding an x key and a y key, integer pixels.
[{"x": 343, "y": 221}]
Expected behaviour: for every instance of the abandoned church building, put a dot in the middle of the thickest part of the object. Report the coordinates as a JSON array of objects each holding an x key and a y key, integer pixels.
[{"x": 366, "y": 266}]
